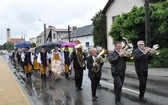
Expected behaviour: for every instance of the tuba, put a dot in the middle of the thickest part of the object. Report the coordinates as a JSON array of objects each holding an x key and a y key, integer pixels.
[
  {"x": 80, "y": 55},
  {"x": 98, "y": 59}
]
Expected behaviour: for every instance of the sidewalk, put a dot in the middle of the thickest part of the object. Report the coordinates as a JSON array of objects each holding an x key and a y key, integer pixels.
[
  {"x": 10, "y": 91},
  {"x": 151, "y": 71}
]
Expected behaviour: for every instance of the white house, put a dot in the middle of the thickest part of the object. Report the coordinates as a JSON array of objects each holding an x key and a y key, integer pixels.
[
  {"x": 52, "y": 35},
  {"x": 33, "y": 40},
  {"x": 84, "y": 35},
  {"x": 114, "y": 8}
]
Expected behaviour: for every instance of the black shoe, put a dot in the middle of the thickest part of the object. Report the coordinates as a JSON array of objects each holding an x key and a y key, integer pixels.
[
  {"x": 77, "y": 89},
  {"x": 118, "y": 103},
  {"x": 94, "y": 99},
  {"x": 143, "y": 99},
  {"x": 99, "y": 85},
  {"x": 80, "y": 88}
]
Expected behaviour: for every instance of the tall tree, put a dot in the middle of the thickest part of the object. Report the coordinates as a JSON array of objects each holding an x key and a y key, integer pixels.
[{"x": 99, "y": 30}]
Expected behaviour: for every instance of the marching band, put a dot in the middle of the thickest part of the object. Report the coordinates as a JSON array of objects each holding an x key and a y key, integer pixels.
[{"x": 60, "y": 62}]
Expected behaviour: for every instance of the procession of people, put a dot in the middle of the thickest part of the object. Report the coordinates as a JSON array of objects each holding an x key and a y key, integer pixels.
[{"x": 60, "y": 62}]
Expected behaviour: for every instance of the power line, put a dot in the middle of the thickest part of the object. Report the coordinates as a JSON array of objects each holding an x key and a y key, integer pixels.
[{"x": 64, "y": 19}]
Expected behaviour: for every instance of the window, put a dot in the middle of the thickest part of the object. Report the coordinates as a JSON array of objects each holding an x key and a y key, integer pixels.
[
  {"x": 114, "y": 18},
  {"x": 53, "y": 36},
  {"x": 87, "y": 44}
]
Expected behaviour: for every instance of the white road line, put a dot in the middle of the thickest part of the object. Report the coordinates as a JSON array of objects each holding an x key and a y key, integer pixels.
[{"x": 134, "y": 91}]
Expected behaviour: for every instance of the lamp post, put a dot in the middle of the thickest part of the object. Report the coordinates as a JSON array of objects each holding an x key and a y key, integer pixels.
[
  {"x": 147, "y": 21},
  {"x": 69, "y": 33},
  {"x": 147, "y": 24},
  {"x": 44, "y": 30}
]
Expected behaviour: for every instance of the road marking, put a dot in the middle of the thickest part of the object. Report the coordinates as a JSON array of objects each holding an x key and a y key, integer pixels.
[{"x": 134, "y": 91}]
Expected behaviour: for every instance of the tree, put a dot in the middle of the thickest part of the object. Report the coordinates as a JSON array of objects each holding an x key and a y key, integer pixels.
[
  {"x": 33, "y": 44},
  {"x": 132, "y": 25},
  {"x": 99, "y": 30},
  {"x": 8, "y": 46}
]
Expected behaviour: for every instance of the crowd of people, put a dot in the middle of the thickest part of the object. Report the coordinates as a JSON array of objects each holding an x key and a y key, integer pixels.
[{"x": 57, "y": 63}]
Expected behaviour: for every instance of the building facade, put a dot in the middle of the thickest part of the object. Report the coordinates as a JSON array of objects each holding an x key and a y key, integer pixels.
[
  {"x": 33, "y": 40},
  {"x": 52, "y": 35},
  {"x": 114, "y": 8},
  {"x": 84, "y": 35}
]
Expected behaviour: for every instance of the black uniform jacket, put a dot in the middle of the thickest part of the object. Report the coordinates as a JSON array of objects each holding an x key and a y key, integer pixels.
[
  {"x": 91, "y": 74},
  {"x": 141, "y": 60},
  {"x": 118, "y": 64}
]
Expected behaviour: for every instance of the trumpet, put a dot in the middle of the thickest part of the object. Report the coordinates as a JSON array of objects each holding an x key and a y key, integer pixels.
[
  {"x": 127, "y": 51},
  {"x": 152, "y": 51}
]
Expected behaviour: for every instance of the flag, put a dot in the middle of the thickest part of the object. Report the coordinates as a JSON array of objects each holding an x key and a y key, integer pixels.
[{"x": 49, "y": 38}]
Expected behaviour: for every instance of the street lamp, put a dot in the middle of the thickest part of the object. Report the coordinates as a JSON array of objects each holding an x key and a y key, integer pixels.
[{"x": 44, "y": 30}]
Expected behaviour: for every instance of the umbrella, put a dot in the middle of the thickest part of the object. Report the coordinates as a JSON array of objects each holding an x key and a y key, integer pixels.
[
  {"x": 23, "y": 44},
  {"x": 52, "y": 44},
  {"x": 68, "y": 44}
]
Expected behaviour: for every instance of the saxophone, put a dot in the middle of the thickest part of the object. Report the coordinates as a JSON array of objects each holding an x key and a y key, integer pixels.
[{"x": 98, "y": 59}]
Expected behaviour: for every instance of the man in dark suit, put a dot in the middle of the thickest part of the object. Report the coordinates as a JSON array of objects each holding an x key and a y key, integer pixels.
[
  {"x": 94, "y": 76},
  {"x": 142, "y": 57},
  {"x": 78, "y": 58},
  {"x": 118, "y": 60}
]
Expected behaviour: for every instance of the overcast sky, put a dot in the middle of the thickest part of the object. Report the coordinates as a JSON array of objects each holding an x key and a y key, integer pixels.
[{"x": 22, "y": 16}]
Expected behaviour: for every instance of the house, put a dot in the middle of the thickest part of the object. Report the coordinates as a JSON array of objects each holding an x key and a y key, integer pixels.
[
  {"x": 114, "y": 8},
  {"x": 84, "y": 35},
  {"x": 52, "y": 35},
  {"x": 33, "y": 40}
]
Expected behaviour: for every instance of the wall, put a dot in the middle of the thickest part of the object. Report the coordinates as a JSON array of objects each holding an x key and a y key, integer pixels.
[
  {"x": 116, "y": 8},
  {"x": 83, "y": 40}
]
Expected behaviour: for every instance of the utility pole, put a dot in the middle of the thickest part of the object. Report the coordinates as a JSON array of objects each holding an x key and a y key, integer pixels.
[
  {"x": 69, "y": 33},
  {"x": 147, "y": 24},
  {"x": 44, "y": 32}
]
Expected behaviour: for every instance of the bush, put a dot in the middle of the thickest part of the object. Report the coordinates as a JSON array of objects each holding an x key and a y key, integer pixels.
[{"x": 160, "y": 60}]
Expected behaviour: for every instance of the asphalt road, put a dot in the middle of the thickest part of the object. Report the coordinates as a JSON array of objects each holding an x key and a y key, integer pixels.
[{"x": 63, "y": 92}]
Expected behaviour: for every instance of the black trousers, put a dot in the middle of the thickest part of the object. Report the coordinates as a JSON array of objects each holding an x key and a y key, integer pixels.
[
  {"x": 118, "y": 84},
  {"x": 94, "y": 80},
  {"x": 78, "y": 77},
  {"x": 142, "y": 76},
  {"x": 98, "y": 80}
]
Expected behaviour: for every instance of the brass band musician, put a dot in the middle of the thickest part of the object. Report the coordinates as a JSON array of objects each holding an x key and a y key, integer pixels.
[
  {"x": 78, "y": 58},
  {"x": 94, "y": 70}
]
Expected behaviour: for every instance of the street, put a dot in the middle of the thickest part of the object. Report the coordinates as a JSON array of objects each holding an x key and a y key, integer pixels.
[{"x": 63, "y": 91}]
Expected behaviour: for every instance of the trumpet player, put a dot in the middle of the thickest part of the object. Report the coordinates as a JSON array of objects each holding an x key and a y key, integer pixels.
[
  {"x": 118, "y": 60},
  {"x": 142, "y": 57},
  {"x": 94, "y": 76}
]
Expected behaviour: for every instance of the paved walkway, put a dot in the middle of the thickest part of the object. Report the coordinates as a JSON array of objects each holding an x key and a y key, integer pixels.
[
  {"x": 151, "y": 71},
  {"x": 10, "y": 91}
]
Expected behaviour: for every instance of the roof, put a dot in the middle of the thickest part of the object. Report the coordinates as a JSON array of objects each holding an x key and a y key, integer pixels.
[
  {"x": 82, "y": 31},
  {"x": 16, "y": 40},
  {"x": 107, "y": 6}
]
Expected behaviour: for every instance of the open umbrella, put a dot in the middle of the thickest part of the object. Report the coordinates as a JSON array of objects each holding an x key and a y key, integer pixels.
[
  {"x": 68, "y": 44},
  {"x": 52, "y": 44},
  {"x": 23, "y": 44}
]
